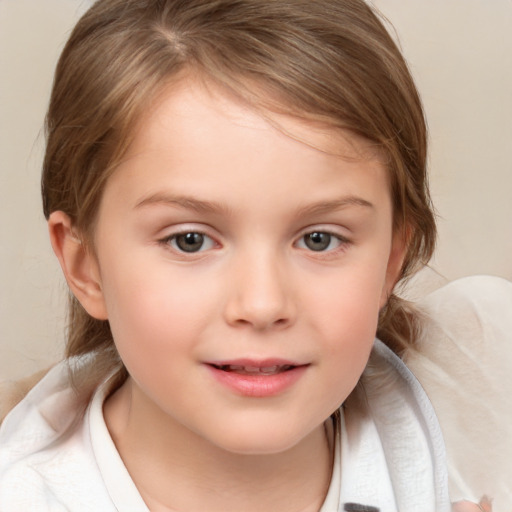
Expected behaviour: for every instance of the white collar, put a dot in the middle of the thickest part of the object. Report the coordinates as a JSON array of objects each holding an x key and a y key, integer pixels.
[{"x": 393, "y": 451}]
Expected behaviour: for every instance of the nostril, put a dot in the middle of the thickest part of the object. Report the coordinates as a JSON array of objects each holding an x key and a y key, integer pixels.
[
  {"x": 259, "y": 305},
  {"x": 261, "y": 324}
]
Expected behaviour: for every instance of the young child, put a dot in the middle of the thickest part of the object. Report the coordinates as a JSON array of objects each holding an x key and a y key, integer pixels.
[{"x": 233, "y": 188}]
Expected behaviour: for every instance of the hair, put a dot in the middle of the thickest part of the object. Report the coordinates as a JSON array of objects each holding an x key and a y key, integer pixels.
[{"x": 329, "y": 60}]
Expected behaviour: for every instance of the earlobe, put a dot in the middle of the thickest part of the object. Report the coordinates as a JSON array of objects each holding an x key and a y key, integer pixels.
[{"x": 78, "y": 264}]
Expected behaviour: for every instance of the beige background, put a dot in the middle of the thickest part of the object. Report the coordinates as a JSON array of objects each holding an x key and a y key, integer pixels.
[{"x": 460, "y": 52}]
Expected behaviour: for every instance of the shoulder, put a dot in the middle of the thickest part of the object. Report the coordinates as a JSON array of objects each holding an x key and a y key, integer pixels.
[
  {"x": 13, "y": 392},
  {"x": 467, "y": 333},
  {"x": 464, "y": 360},
  {"x": 471, "y": 299},
  {"x": 45, "y": 453}
]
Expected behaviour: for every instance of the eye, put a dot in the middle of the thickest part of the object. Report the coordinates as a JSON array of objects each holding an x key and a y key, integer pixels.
[
  {"x": 319, "y": 241},
  {"x": 190, "y": 242}
]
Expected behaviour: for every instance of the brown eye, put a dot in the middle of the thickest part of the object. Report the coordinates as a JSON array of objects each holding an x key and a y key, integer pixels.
[
  {"x": 189, "y": 242},
  {"x": 318, "y": 241}
]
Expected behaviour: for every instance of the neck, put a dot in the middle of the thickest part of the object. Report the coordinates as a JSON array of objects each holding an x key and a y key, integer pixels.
[{"x": 177, "y": 470}]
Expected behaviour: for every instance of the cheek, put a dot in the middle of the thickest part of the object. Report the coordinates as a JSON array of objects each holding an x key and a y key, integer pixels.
[
  {"x": 350, "y": 333},
  {"x": 154, "y": 311},
  {"x": 349, "y": 305},
  {"x": 347, "y": 316}
]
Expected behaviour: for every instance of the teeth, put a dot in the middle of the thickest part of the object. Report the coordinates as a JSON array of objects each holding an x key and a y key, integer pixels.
[
  {"x": 255, "y": 370},
  {"x": 251, "y": 369}
]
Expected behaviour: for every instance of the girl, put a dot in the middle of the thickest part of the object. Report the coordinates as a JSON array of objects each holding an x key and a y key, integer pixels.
[{"x": 233, "y": 188}]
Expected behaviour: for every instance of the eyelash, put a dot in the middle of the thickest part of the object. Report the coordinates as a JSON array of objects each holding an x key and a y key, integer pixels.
[
  {"x": 172, "y": 241},
  {"x": 342, "y": 242}
]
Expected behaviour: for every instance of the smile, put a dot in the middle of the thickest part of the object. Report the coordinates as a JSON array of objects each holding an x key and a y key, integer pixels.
[{"x": 257, "y": 379}]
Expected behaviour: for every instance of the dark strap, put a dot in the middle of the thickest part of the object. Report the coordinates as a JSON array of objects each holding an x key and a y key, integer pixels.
[{"x": 356, "y": 507}]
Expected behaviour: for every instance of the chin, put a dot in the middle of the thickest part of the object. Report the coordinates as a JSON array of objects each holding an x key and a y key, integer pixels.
[
  {"x": 261, "y": 440},
  {"x": 257, "y": 447}
]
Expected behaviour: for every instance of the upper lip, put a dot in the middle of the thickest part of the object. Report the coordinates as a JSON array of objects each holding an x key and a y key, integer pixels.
[{"x": 255, "y": 363}]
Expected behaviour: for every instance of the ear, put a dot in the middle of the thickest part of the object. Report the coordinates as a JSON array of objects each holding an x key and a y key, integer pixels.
[
  {"x": 397, "y": 255},
  {"x": 79, "y": 265}
]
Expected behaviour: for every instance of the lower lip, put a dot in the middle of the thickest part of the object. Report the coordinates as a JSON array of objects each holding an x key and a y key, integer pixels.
[{"x": 258, "y": 386}]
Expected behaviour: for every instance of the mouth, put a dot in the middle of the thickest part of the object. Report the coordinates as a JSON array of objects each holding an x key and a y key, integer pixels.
[
  {"x": 255, "y": 370},
  {"x": 257, "y": 378}
]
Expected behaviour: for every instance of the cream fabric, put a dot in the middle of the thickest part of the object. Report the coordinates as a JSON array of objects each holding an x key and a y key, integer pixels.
[{"x": 464, "y": 362}]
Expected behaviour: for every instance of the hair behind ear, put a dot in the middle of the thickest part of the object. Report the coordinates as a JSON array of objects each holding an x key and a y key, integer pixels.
[{"x": 399, "y": 324}]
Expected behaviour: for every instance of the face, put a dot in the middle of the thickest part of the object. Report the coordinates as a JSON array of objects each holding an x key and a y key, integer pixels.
[{"x": 242, "y": 268}]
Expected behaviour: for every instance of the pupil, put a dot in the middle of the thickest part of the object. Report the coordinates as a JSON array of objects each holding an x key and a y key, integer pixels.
[
  {"x": 318, "y": 241},
  {"x": 190, "y": 242}
]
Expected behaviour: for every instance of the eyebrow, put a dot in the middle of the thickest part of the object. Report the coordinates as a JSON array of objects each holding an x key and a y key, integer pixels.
[
  {"x": 186, "y": 202},
  {"x": 203, "y": 206},
  {"x": 336, "y": 204}
]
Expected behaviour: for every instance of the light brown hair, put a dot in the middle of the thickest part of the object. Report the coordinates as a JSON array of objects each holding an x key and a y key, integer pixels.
[{"x": 330, "y": 60}]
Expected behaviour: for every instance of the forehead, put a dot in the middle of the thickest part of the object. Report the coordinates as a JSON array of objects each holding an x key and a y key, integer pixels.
[
  {"x": 196, "y": 137},
  {"x": 192, "y": 96}
]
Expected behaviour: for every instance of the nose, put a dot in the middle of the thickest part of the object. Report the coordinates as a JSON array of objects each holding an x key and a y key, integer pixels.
[{"x": 261, "y": 293}]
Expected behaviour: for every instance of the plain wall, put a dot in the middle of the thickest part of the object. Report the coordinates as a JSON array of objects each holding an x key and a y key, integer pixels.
[{"x": 460, "y": 52}]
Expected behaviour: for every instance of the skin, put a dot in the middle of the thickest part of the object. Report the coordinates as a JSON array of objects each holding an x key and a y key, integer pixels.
[
  {"x": 485, "y": 505},
  {"x": 202, "y": 163}
]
